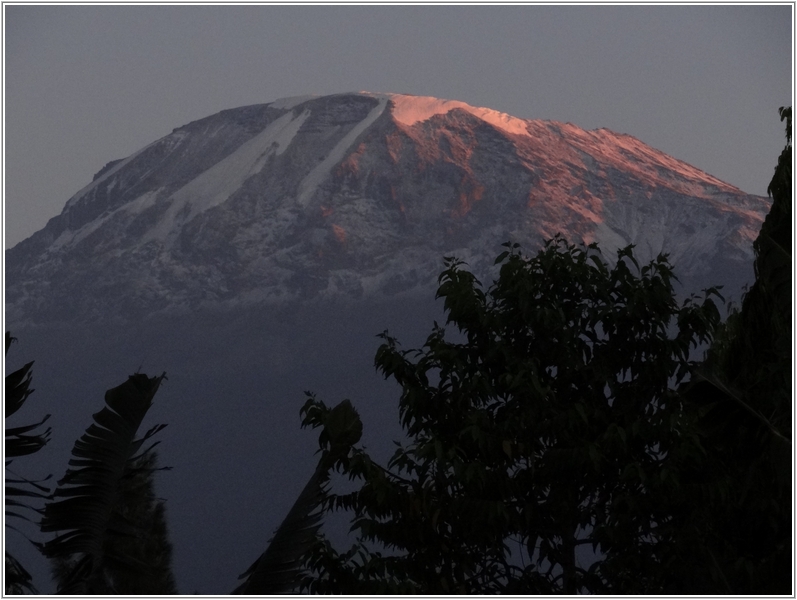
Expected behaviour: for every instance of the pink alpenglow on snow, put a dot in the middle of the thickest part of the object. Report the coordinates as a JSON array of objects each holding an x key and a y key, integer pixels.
[{"x": 410, "y": 110}]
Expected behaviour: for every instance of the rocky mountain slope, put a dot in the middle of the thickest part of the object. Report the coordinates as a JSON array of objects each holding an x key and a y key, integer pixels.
[{"x": 360, "y": 195}]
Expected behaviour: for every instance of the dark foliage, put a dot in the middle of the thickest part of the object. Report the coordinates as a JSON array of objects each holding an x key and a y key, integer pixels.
[
  {"x": 279, "y": 568},
  {"x": 745, "y": 387},
  {"x": 91, "y": 508},
  {"x": 552, "y": 424},
  {"x": 111, "y": 529},
  {"x": 149, "y": 548},
  {"x": 19, "y": 491}
]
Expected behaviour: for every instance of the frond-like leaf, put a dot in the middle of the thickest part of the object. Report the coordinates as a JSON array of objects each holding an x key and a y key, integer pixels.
[
  {"x": 277, "y": 570},
  {"x": 18, "y": 388},
  {"x": 20, "y": 441},
  {"x": 18, "y": 580},
  {"x": 83, "y": 509}
]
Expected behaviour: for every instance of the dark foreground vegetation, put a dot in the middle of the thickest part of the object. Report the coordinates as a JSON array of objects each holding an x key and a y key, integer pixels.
[{"x": 562, "y": 440}]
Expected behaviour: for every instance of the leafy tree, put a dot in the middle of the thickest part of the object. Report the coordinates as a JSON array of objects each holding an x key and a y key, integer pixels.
[
  {"x": 20, "y": 441},
  {"x": 745, "y": 387},
  {"x": 755, "y": 354},
  {"x": 550, "y": 423}
]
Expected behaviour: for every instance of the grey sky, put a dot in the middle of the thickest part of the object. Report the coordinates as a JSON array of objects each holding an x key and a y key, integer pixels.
[{"x": 88, "y": 84}]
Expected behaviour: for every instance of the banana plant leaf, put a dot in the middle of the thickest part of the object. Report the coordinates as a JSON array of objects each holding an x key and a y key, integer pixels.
[
  {"x": 20, "y": 441},
  {"x": 18, "y": 388},
  {"x": 84, "y": 507},
  {"x": 278, "y": 568},
  {"x": 18, "y": 580}
]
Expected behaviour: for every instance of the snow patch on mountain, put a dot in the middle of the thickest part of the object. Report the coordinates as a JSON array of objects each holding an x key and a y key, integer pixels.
[
  {"x": 109, "y": 173},
  {"x": 314, "y": 178},
  {"x": 70, "y": 237},
  {"x": 218, "y": 183}
]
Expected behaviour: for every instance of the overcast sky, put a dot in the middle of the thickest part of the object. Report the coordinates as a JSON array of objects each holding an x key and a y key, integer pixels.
[{"x": 88, "y": 84}]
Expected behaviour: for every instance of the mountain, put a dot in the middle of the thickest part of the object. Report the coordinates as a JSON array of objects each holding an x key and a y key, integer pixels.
[
  {"x": 360, "y": 195},
  {"x": 256, "y": 253}
]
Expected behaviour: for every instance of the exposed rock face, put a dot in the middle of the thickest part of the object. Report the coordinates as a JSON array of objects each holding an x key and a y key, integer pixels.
[{"x": 356, "y": 195}]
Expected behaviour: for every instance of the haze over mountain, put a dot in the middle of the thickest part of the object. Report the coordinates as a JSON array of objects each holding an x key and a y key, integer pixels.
[{"x": 255, "y": 253}]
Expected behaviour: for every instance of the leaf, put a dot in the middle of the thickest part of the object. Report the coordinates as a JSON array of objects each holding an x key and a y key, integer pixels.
[
  {"x": 84, "y": 505},
  {"x": 737, "y": 397},
  {"x": 507, "y": 447},
  {"x": 343, "y": 425},
  {"x": 594, "y": 454},
  {"x": 17, "y": 389},
  {"x": 20, "y": 442},
  {"x": 17, "y": 580},
  {"x": 278, "y": 569}
]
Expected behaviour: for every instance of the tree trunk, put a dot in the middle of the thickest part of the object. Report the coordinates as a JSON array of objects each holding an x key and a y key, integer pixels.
[{"x": 570, "y": 586}]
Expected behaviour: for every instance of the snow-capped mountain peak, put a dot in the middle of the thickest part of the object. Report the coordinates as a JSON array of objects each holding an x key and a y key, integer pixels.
[{"x": 357, "y": 194}]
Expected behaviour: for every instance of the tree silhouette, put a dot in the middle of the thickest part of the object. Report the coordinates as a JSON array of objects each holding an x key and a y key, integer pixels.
[
  {"x": 552, "y": 423},
  {"x": 745, "y": 387}
]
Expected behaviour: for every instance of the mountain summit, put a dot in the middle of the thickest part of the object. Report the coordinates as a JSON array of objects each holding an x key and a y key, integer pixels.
[{"x": 355, "y": 195}]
